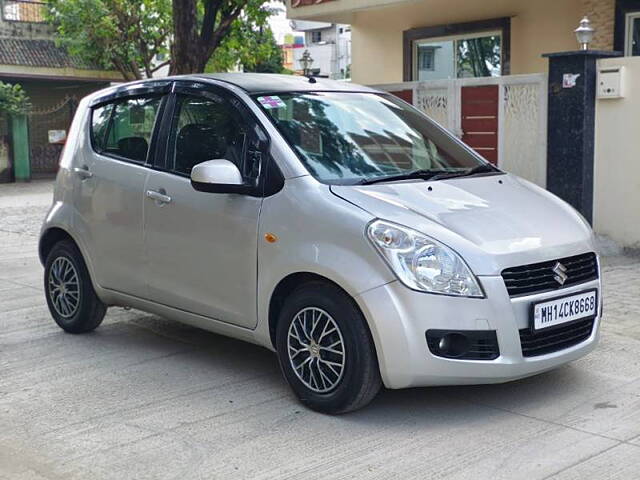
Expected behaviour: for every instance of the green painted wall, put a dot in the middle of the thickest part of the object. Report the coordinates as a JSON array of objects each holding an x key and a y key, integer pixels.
[{"x": 20, "y": 140}]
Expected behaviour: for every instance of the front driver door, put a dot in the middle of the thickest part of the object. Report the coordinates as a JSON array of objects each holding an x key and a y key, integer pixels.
[{"x": 202, "y": 247}]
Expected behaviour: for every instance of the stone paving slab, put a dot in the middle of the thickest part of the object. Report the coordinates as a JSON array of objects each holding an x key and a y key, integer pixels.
[{"x": 145, "y": 397}]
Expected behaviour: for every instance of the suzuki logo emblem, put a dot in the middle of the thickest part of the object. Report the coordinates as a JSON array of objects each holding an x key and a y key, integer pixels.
[{"x": 560, "y": 273}]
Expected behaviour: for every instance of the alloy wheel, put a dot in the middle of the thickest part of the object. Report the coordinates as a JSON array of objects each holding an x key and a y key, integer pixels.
[
  {"x": 316, "y": 349},
  {"x": 64, "y": 287}
]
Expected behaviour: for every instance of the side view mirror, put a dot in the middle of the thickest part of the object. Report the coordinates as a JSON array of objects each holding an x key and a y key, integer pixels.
[{"x": 218, "y": 176}]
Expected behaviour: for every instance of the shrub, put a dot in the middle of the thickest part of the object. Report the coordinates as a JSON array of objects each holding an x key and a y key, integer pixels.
[{"x": 13, "y": 99}]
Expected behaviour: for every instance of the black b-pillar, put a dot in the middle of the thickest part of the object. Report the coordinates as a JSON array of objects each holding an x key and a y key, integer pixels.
[{"x": 571, "y": 126}]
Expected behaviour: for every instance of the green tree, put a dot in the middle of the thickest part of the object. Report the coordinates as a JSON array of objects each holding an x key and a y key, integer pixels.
[
  {"x": 121, "y": 34},
  {"x": 270, "y": 58},
  {"x": 249, "y": 46},
  {"x": 202, "y": 26},
  {"x": 13, "y": 99},
  {"x": 127, "y": 35}
]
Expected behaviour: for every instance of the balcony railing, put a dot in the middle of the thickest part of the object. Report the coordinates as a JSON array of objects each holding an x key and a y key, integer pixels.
[{"x": 32, "y": 11}]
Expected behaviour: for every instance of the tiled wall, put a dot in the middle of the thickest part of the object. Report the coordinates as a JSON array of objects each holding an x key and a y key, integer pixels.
[{"x": 602, "y": 16}]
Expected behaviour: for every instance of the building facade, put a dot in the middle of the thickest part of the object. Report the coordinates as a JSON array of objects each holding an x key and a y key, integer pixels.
[
  {"x": 329, "y": 46},
  {"x": 291, "y": 42},
  {"x": 53, "y": 80},
  {"x": 404, "y": 40}
]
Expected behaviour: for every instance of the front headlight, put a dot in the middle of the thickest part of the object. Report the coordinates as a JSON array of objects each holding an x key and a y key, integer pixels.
[{"x": 422, "y": 263}]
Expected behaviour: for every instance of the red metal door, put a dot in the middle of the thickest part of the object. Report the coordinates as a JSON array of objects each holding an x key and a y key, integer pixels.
[
  {"x": 406, "y": 95},
  {"x": 480, "y": 120}
]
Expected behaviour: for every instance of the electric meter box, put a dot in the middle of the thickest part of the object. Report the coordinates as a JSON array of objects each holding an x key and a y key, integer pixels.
[{"x": 610, "y": 82}]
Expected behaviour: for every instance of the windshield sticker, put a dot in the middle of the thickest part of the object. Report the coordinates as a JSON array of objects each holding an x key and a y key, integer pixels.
[{"x": 271, "y": 102}]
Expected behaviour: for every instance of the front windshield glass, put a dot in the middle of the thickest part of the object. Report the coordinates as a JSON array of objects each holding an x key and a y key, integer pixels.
[{"x": 348, "y": 138}]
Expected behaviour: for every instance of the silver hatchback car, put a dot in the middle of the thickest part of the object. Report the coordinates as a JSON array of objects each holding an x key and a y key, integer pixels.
[{"x": 332, "y": 223}]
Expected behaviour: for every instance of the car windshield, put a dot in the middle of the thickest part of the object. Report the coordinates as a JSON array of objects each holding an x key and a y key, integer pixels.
[{"x": 351, "y": 138}]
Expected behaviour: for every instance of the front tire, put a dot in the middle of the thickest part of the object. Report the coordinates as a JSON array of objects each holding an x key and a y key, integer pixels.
[
  {"x": 72, "y": 301},
  {"x": 325, "y": 350}
]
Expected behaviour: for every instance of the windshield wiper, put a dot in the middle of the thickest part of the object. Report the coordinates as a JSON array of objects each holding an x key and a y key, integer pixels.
[
  {"x": 484, "y": 168},
  {"x": 414, "y": 174}
]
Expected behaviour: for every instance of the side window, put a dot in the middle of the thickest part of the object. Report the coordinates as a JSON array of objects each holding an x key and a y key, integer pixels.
[
  {"x": 124, "y": 128},
  {"x": 209, "y": 129},
  {"x": 99, "y": 121}
]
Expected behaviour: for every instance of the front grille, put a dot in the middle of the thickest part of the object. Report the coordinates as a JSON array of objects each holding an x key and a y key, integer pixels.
[
  {"x": 554, "y": 339},
  {"x": 539, "y": 277}
]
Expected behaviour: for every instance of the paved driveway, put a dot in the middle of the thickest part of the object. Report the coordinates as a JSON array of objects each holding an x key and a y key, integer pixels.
[{"x": 144, "y": 397}]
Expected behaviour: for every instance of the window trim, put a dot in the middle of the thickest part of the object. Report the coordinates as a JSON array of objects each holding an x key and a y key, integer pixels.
[
  {"x": 270, "y": 179},
  {"x": 191, "y": 90},
  {"x": 461, "y": 30},
  {"x": 628, "y": 38},
  {"x": 450, "y": 38},
  {"x": 172, "y": 120},
  {"x": 132, "y": 90},
  {"x": 623, "y": 8},
  {"x": 92, "y": 139},
  {"x": 114, "y": 101}
]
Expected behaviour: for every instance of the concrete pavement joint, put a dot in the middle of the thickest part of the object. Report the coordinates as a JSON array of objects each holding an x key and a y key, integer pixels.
[
  {"x": 558, "y": 424},
  {"x": 581, "y": 461}
]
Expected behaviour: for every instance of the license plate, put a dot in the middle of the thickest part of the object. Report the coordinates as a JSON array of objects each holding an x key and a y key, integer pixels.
[{"x": 566, "y": 309}]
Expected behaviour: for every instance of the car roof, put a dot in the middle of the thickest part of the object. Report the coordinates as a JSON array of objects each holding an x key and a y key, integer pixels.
[
  {"x": 252, "y": 83},
  {"x": 277, "y": 83}
]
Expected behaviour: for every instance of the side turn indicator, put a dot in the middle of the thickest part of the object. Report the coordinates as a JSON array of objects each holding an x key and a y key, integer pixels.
[{"x": 270, "y": 237}]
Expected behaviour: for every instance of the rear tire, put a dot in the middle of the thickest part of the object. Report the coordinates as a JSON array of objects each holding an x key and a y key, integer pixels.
[
  {"x": 325, "y": 350},
  {"x": 72, "y": 301}
]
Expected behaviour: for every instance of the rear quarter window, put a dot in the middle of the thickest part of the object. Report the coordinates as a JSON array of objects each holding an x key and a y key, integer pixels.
[{"x": 99, "y": 122}]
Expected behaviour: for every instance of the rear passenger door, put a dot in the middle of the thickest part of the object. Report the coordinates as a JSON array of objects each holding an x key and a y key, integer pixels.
[
  {"x": 110, "y": 189},
  {"x": 202, "y": 247}
]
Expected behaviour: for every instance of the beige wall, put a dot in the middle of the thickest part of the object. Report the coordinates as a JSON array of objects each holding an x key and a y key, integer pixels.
[
  {"x": 617, "y": 160},
  {"x": 536, "y": 27}
]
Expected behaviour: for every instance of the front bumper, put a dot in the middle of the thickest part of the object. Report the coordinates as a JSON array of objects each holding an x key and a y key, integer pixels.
[{"x": 399, "y": 317}]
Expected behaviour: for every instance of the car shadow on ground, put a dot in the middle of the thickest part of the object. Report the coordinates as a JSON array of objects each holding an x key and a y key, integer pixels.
[{"x": 429, "y": 405}]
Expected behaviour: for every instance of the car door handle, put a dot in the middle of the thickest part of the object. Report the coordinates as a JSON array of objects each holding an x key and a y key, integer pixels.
[
  {"x": 83, "y": 172},
  {"x": 159, "y": 197}
]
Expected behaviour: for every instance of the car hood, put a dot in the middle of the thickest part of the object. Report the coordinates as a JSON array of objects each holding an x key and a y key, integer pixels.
[{"x": 494, "y": 221}]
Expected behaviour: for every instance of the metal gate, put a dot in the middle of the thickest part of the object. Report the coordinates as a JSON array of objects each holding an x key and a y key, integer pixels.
[
  {"x": 5, "y": 152},
  {"x": 45, "y": 139},
  {"x": 479, "y": 120},
  {"x": 503, "y": 118}
]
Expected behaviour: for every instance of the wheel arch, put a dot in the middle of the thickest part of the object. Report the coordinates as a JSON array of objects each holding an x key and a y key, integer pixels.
[
  {"x": 49, "y": 238},
  {"x": 287, "y": 286},
  {"x": 56, "y": 233}
]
